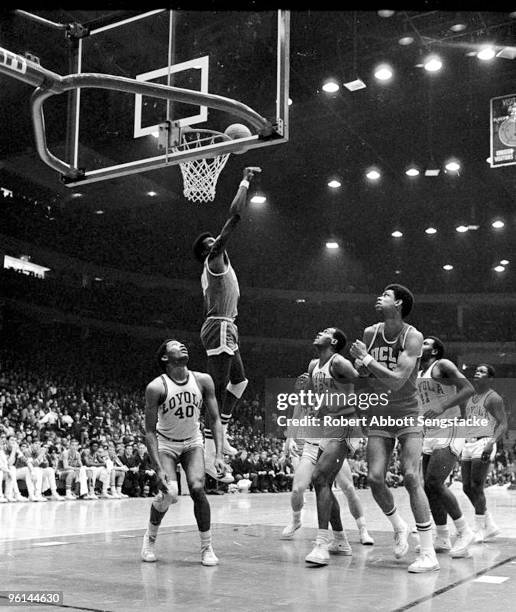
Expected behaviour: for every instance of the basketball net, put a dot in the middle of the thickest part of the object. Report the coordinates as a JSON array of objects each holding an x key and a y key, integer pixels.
[{"x": 200, "y": 175}]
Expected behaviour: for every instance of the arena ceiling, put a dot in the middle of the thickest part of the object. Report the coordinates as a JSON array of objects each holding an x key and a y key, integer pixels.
[{"x": 417, "y": 117}]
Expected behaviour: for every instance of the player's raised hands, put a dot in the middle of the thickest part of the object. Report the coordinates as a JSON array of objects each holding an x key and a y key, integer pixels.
[{"x": 250, "y": 171}]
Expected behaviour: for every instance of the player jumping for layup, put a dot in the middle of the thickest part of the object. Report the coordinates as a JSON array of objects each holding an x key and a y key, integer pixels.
[
  {"x": 172, "y": 405},
  {"x": 219, "y": 334},
  {"x": 442, "y": 390},
  {"x": 391, "y": 351}
]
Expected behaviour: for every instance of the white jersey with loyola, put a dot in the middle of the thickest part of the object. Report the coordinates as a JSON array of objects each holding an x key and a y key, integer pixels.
[{"x": 178, "y": 414}]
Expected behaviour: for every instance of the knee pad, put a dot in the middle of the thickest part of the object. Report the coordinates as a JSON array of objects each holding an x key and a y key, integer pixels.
[
  {"x": 162, "y": 501},
  {"x": 237, "y": 389}
]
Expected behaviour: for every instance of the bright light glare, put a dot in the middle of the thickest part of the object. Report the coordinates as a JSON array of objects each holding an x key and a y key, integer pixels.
[
  {"x": 334, "y": 184},
  {"x": 258, "y": 199},
  {"x": 462, "y": 229},
  {"x": 412, "y": 172},
  {"x": 498, "y": 224},
  {"x": 453, "y": 166},
  {"x": 373, "y": 175},
  {"x": 499, "y": 269},
  {"x": 504, "y": 262},
  {"x": 486, "y": 53},
  {"x": 433, "y": 63},
  {"x": 332, "y": 245},
  {"x": 430, "y": 230},
  {"x": 397, "y": 234},
  {"x": 383, "y": 72},
  {"x": 330, "y": 87},
  {"x": 447, "y": 267}
]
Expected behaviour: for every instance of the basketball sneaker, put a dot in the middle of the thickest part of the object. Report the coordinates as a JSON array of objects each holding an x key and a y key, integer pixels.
[
  {"x": 319, "y": 555},
  {"x": 492, "y": 528},
  {"x": 148, "y": 553},
  {"x": 340, "y": 547},
  {"x": 365, "y": 538},
  {"x": 442, "y": 544},
  {"x": 208, "y": 557},
  {"x": 56, "y": 497},
  {"x": 460, "y": 548},
  {"x": 425, "y": 562},
  {"x": 290, "y": 530},
  {"x": 401, "y": 545},
  {"x": 70, "y": 495},
  {"x": 3, "y": 500},
  {"x": 225, "y": 478}
]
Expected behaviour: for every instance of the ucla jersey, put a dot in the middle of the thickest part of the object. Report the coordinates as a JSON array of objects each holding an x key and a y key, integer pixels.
[
  {"x": 178, "y": 414},
  {"x": 432, "y": 394},
  {"x": 387, "y": 353},
  {"x": 323, "y": 381},
  {"x": 476, "y": 407},
  {"x": 221, "y": 291}
]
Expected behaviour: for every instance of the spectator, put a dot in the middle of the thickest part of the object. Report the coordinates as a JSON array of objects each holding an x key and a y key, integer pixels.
[
  {"x": 132, "y": 461},
  {"x": 147, "y": 481}
]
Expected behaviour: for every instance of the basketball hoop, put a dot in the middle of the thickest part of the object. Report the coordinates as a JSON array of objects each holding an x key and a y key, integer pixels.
[{"x": 200, "y": 175}]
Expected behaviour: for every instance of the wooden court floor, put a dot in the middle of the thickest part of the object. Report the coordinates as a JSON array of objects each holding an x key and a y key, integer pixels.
[{"x": 90, "y": 551}]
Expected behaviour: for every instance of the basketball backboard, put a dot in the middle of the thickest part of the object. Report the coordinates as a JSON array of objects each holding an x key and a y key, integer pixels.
[{"x": 238, "y": 55}]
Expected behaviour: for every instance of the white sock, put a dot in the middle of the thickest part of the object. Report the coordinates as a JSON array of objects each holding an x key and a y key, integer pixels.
[
  {"x": 361, "y": 522},
  {"x": 480, "y": 521},
  {"x": 340, "y": 535},
  {"x": 442, "y": 531},
  {"x": 153, "y": 531},
  {"x": 460, "y": 524},
  {"x": 296, "y": 515},
  {"x": 205, "y": 538},
  {"x": 396, "y": 521},
  {"x": 426, "y": 540},
  {"x": 323, "y": 537}
]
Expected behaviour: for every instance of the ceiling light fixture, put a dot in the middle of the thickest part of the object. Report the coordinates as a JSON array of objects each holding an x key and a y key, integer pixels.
[
  {"x": 461, "y": 229},
  {"x": 499, "y": 269},
  {"x": 383, "y": 72},
  {"x": 404, "y": 41},
  {"x": 458, "y": 27},
  {"x": 331, "y": 86},
  {"x": 452, "y": 166},
  {"x": 258, "y": 199},
  {"x": 498, "y": 224},
  {"x": 433, "y": 63},
  {"x": 430, "y": 231},
  {"x": 332, "y": 245},
  {"x": 412, "y": 171},
  {"x": 385, "y": 14},
  {"x": 432, "y": 172},
  {"x": 486, "y": 53},
  {"x": 152, "y": 194},
  {"x": 397, "y": 234},
  {"x": 504, "y": 262},
  {"x": 354, "y": 85},
  {"x": 373, "y": 175},
  {"x": 447, "y": 267},
  {"x": 334, "y": 184}
]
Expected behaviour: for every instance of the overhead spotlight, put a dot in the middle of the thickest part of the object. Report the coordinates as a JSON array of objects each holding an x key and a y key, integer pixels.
[
  {"x": 334, "y": 184},
  {"x": 76, "y": 195},
  {"x": 433, "y": 63},
  {"x": 404, "y": 41},
  {"x": 499, "y": 269},
  {"x": 300, "y": 301},
  {"x": 504, "y": 262},
  {"x": 458, "y": 27},
  {"x": 447, "y": 267},
  {"x": 486, "y": 53},
  {"x": 331, "y": 86},
  {"x": 332, "y": 245},
  {"x": 385, "y": 14},
  {"x": 498, "y": 224},
  {"x": 99, "y": 212},
  {"x": 290, "y": 101},
  {"x": 152, "y": 194},
  {"x": 383, "y": 72},
  {"x": 258, "y": 199},
  {"x": 430, "y": 231},
  {"x": 373, "y": 175},
  {"x": 397, "y": 271},
  {"x": 473, "y": 227},
  {"x": 412, "y": 171},
  {"x": 452, "y": 166},
  {"x": 461, "y": 229},
  {"x": 397, "y": 234}
]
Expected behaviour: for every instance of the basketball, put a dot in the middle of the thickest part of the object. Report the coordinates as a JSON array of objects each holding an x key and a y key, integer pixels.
[{"x": 238, "y": 130}]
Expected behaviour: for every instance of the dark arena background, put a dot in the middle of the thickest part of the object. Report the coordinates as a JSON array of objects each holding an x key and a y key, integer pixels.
[{"x": 401, "y": 175}]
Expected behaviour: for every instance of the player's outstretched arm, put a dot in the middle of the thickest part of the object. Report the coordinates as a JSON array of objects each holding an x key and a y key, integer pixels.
[
  {"x": 153, "y": 398},
  {"x": 393, "y": 379},
  {"x": 235, "y": 213}
]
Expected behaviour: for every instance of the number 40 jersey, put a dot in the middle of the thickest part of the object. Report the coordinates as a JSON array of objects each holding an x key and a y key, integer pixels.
[{"x": 178, "y": 414}]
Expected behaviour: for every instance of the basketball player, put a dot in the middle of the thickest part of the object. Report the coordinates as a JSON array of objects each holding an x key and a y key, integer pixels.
[
  {"x": 480, "y": 447},
  {"x": 442, "y": 390},
  {"x": 331, "y": 373},
  {"x": 304, "y": 467},
  {"x": 219, "y": 334},
  {"x": 390, "y": 352},
  {"x": 172, "y": 434}
]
